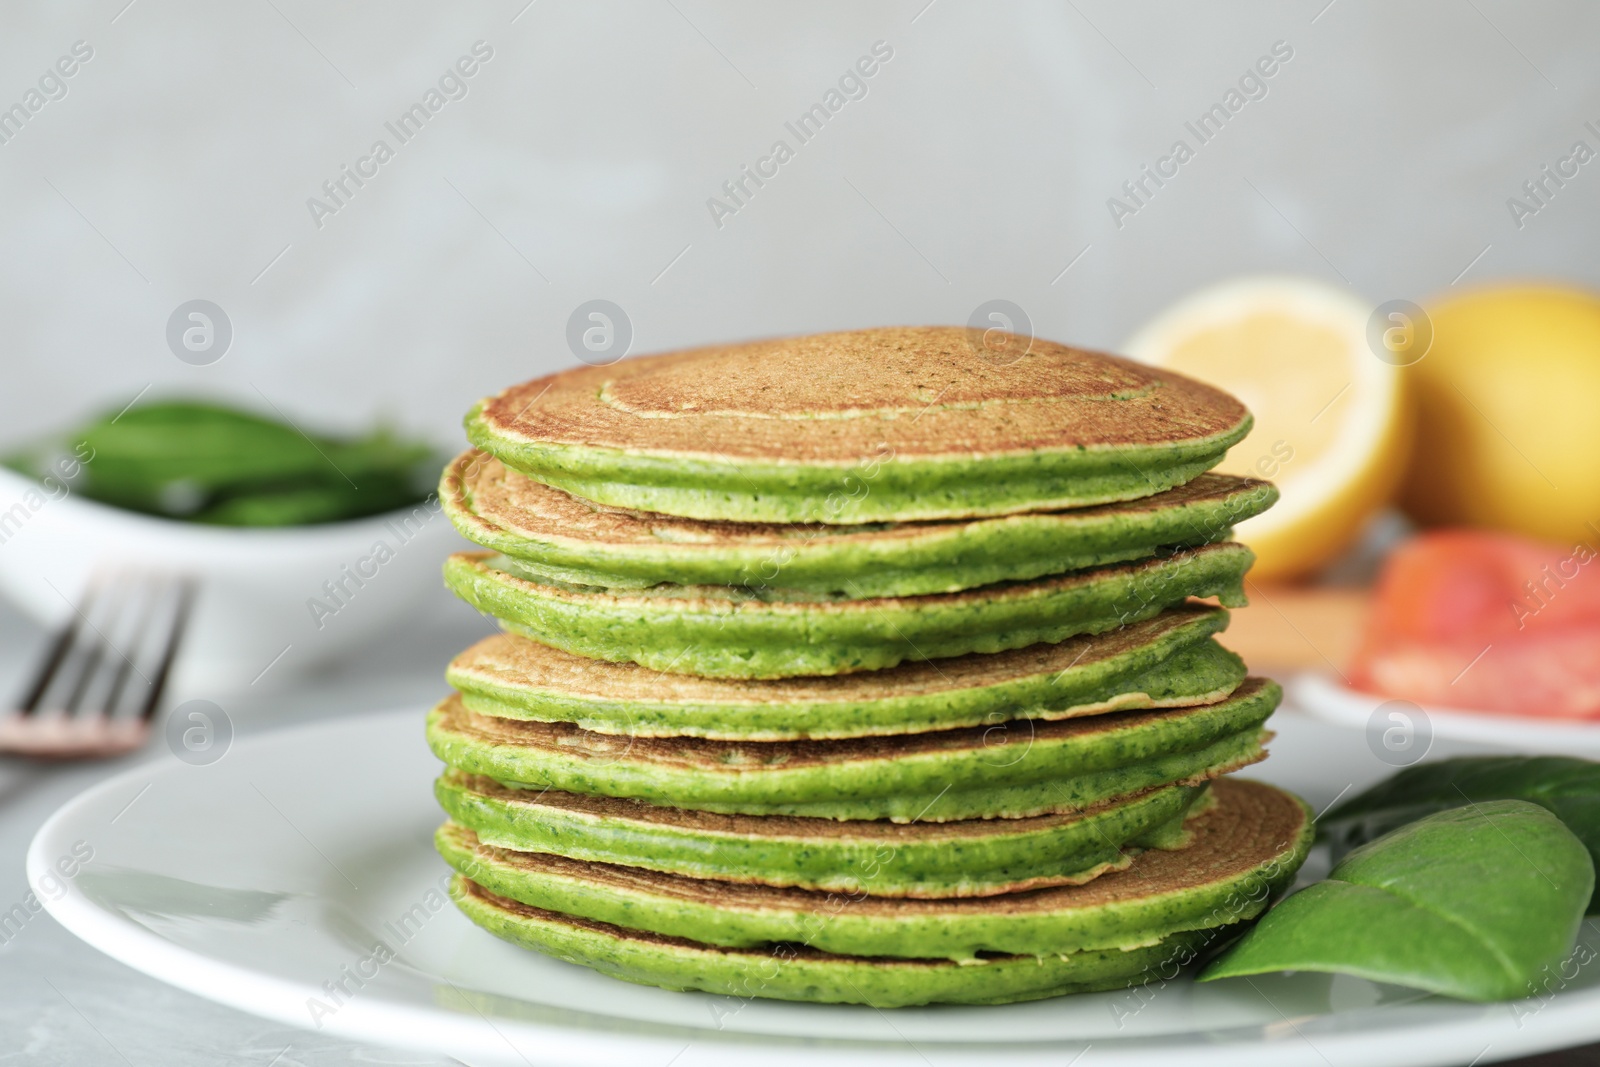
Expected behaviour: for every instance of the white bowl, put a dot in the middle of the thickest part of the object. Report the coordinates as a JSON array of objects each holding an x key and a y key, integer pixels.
[{"x": 262, "y": 601}]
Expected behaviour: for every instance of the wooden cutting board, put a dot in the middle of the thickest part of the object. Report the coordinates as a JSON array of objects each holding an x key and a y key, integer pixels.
[{"x": 1292, "y": 628}]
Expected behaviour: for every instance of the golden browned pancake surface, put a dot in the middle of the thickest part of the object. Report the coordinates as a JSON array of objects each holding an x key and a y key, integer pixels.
[{"x": 835, "y": 398}]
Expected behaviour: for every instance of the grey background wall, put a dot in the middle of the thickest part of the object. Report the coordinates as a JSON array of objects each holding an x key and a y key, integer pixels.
[{"x": 577, "y": 160}]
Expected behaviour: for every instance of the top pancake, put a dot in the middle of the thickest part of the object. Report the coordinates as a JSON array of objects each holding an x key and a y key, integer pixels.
[
  {"x": 766, "y": 431},
  {"x": 828, "y": 399}
]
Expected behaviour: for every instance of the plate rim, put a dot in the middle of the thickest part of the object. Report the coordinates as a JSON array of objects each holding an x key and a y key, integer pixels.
[{"x": 1320, "y": 694}]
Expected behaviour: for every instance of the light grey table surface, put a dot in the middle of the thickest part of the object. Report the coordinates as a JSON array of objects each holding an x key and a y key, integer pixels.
[{"x": 64, "y": 1003}]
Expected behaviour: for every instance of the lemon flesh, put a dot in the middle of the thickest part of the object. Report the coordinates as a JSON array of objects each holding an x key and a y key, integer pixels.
[{"x": 1332, "y": 420}]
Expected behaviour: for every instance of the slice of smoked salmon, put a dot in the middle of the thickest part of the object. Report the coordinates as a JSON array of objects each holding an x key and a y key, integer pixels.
[{"x": 1489, "y": 622}]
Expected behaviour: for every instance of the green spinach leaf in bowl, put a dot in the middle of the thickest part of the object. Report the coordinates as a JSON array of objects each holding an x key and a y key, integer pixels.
[{"x": 210, "y": 463}]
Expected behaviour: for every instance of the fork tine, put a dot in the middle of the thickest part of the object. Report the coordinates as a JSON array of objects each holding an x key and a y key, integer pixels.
[
  {"x": 180, "y": 621},
  {"x": 100, "y": 731},
  {"x": 153, "y": 601},
  {"x": 65, "y": 638},
  {"x": 97, "y": 646}
]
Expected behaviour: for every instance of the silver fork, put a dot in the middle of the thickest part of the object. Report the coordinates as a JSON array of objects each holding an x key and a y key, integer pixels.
[{"x": 101, "y": 679}]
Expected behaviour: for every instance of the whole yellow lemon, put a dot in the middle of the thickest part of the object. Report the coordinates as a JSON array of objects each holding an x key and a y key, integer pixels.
[{"x": 1508, "y": 406}]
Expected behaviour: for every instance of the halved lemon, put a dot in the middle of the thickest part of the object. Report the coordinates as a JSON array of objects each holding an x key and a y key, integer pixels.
[{"x": 1333, "y": 427}]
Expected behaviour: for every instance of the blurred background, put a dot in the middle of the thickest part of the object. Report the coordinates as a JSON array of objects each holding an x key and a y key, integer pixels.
[{"x": 578, "y": 165}]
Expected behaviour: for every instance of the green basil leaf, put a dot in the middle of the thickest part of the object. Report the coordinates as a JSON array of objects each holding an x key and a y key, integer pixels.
[
  {"x": 1567, "y": 788},
  {"x": 1477, "y": 902}
]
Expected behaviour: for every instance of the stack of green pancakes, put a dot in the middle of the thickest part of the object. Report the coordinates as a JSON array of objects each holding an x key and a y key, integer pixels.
[{"x": 859, "y": 668}]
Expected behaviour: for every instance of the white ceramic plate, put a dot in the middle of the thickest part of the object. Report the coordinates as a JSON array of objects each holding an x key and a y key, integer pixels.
[
  {"x": 266, "y": 879},
  {"x": 1325, "y": 698}
]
